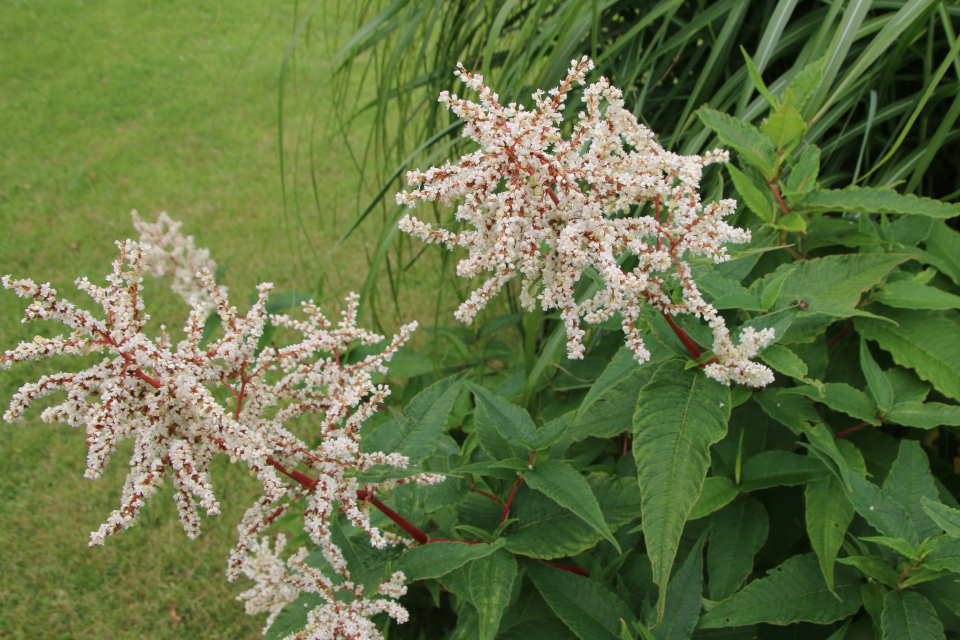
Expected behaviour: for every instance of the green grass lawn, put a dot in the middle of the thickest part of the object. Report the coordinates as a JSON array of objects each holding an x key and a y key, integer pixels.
[{"x": 106, "y": 107}]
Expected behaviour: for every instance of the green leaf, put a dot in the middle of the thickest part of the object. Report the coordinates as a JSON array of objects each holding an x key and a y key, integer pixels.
[
  {"x": 546, "y": 530},
  {"x": 440, "y": 558},
  {"x": 925, "y": 415},
  {"x": 503, "y": 427},
  {"x": 737, "y": 533},
  {"x": 946, "y": 517},
  {"x": 491, "y": 583},
  {"x": 926, "y": 341},
  {"x": 784, "y": 126},
  {"x": 756, "y": 78},
  {"x": 621, "y": 365},
  {"x": 899, "y": 545},
  {"x": 772, "y": 290},
  {"x": 564, "y": 485},
  {"x": 785, "y": 361},
  {"x": 792, "y": 410},
  {"x": 752, "y": 196},
  {"x": 794, "y": 222},
  {"x": 717, "y": 492},
  {"x": 680, "y": 413},
  {"x": 803, "y": 176},
  {"x": 792, "y": 592},
  {"x": 753, "y": 145},
  {"x": 293, "y": 617},
  {"x": 944, "y": 244},
  {"x": 904, "y": 294},
  {"x": 550, "y": 433},
  {"x": 909, "y": 480},
  {"x": 870, "y": 200},
  {"x": 417, "y": 434},
  {"x": 780, "y": 468},
  {"x": 909, "y": 616},
  {"x": 875, "y": 568},
  {"x": 611, "y": 413},
  {"x": 877, "y": 383},
  {"x": 828, "y": 515},
  {"x": 585, "y": 606},
  {"x": 944, "y": 554},
  {"x": 844, "y": 398},
  {"x": 683, "y": 598},
  {"x": 885, "y": 514}
]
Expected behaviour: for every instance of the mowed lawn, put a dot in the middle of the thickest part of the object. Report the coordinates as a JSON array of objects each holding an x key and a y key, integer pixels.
[{"x": 111, "y": 106}]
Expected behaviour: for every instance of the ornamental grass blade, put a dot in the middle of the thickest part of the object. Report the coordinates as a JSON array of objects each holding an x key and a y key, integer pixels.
[
  {"x": 564, "y": 485},
  {"x": 680, "y": 413}
]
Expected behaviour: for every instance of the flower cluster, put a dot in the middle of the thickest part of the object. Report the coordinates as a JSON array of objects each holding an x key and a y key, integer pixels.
[
  {"x": 170, "y": 252},
  {"x": 546, "y": 209},
  {"x": 184, "y": 403}
]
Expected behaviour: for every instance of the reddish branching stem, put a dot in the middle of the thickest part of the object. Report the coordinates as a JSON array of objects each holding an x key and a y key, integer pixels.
[
  {"x": 566, "y": 567},
  {"x": 842, "y": 333},
  {"x": 846, "y": 432}
]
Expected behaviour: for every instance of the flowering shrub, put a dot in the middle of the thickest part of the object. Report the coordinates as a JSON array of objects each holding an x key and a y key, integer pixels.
[{"x": 565, "y": 514}]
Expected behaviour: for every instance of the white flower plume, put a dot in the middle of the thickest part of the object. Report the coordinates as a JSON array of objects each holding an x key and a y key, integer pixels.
[{"x": 565, "y": 207}]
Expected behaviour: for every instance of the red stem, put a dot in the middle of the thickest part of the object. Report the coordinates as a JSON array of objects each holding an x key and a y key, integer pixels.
[
  {"x": 566, "y": 567},
  {"x": 846, "y": 432},
  {"x": 506, "y": 508},
  {"x": 691, "y": 346},
  {"x": 776, "y": 191},
  {"x": 840, "y": 335},
  {"x": 484, "y": 493}
]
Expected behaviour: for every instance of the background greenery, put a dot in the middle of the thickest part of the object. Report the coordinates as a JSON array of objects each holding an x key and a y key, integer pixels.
[{"x": 106, "y": 107}]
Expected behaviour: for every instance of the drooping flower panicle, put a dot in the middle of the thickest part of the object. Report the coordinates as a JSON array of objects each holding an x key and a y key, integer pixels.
[
  {"x": 565, "y": 207},
  {"x": 165, "y": 397}
]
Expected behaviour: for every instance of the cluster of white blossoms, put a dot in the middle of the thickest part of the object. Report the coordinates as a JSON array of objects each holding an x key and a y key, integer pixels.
[
  {"x": 171, "y": 252},
  {"x": 183, "y": 403},
  {"x": 546, "y": 208}
]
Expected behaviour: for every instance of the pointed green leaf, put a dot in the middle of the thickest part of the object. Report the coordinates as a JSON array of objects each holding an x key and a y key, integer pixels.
[
  {"x": 877, "y": 383},
  {"x": 772, "y": 291},
  {"x": 885, "y": 514},
  {"x": 870, "y": 200},
  {"x": 840, "y": 278},
  {"x": 611, "y": 410},
  {"x": 683, "y": 598},
  {"x": 753, "y": 145},
  {"x": 792, "y": 592},
  {"x": 844, "y": 398},
  {"x": 564, "y": 485},
  {"x": 680, "y": 413},
  {"x": 899, "y": 545},
  {"x": 943, "y": 244},
  {"x": 621, "y": 365},
  {"x": 904, "y": 294},
  {"x": 546, "y": 530},
  {"x": 926, "y": 341},
  {"x": 944, "y": 554},
  {"x": 947, "y": 517},
  {"x": 803, "y": 176},
  {"x": 785, "y": 361},
  {"x": 585, "y": 606},
  {"x": 780, "y": 468},
  {"x": 925, "y": 415},
  {"x": 550, "y": 433},
  {"x": 828, "y": 515},
  {"x": 874, "y": 567},
  {"x": 501, "y": 425},
  {"x": 737, "y": 532},
  {"x": 440, "y": 558},
  {"x": 752, "y": 196},
  {"x": 784, "y": 126},
  {"x": 756, "y": 78},
  {"x": 717, "y": 493},
  {"x": 417, "y": 434},
  {"x": 909, "y": 616},
  {"x": 909, "y": 480},
  {"x": 792, "y": 410},
  {"x": 491, "y": 583}
]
